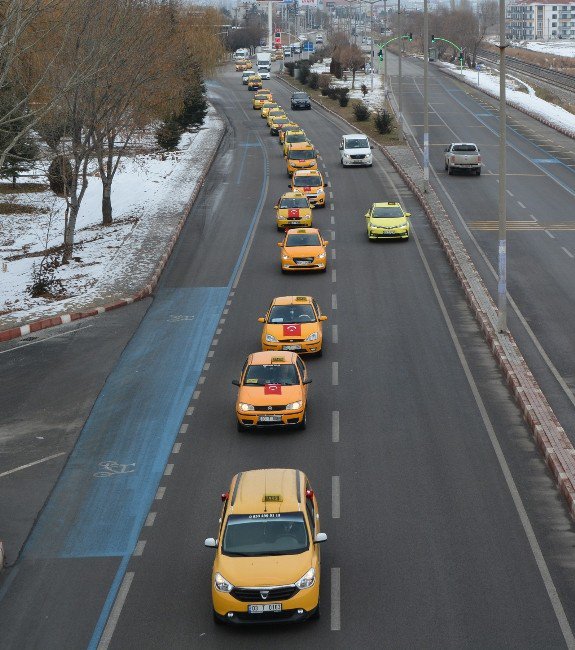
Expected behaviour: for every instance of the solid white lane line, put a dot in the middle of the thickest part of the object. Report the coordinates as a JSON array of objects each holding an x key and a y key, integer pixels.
[
  {"x": 333, "y": 253},
  {"x": 36, "y": 462},
  {"x": 333, "y": 301},
  {"x": 139, "y": 549},
  {"x": 169, "y": 469},
  {"x": 190, "y": 410},
  {"x": 46, "y": 338},
  {"x": 335, "y": 497},
  {"x": 116, "y": 611},
  {"x": 567, "y": 252},
  {"x": 184, "y": 427},
  {"x": 550, "y": 234},
  {"x": 334, "y": 373},
  {"x": 335, "y": 426},
  {"x": 160, "y": 493},
  {"x": 335, "y": 600},
  {"x": 150, "y": 518},
  {"x": 334, "y": 335},
  {"x": 176, "y": 448},
  {"x": 554, "y": 598},
  {"x": 333, "y": 275}
]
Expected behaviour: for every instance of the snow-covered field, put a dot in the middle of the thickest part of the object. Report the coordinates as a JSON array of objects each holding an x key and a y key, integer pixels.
[
  {"x": 555, "y": 48},
  {"x": 145, "y": 184}
]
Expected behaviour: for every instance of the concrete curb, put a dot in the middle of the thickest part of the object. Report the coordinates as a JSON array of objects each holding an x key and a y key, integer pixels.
[
  {"x": 52, "y": 321},
  {"x": 549, "y": 435},
  {"x": 2, "y": 555},
  {"x": 569, "y": 133}
]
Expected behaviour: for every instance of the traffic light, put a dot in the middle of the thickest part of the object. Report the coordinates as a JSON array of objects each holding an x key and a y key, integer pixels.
[
  {"x": 432, "y": 38},
  {"x": 410, "y": 36},
  {"x": 461, "y": 56},
  {"x": 380, "y": 54}
]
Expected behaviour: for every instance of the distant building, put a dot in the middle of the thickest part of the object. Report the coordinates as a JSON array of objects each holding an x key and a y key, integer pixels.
[{"x": 530, "y": 21}]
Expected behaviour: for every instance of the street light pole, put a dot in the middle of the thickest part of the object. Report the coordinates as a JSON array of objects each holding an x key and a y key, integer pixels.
[
  {"x": 371, "y": 43},
  {"x": 502, "y": 253},
  {"x": 385, "y": 85},
  {"x": 400, "y": 98},
  {"x": 425, "y": 97}
]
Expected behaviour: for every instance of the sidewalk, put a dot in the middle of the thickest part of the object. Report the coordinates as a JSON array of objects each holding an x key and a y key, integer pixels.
[{"x": 133, "y": 270}]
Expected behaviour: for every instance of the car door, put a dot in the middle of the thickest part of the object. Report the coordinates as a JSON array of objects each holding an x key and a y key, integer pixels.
[{"x": 303, "y": 375}]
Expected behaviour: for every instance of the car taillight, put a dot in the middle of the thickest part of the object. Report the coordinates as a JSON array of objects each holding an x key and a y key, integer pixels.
[
  {"x": 452, "y": 158},
  {"x": 479, "y": 158}
]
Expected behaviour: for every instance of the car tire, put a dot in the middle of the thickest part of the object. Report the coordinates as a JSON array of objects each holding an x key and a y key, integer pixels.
[
  {"x": 283, "y": 271},
  {"x": 240, "y": 427},
  {"x": 478, "y": 172},
  {"x": 324, "y": 270},
  {"x": 303, "y": 423}
]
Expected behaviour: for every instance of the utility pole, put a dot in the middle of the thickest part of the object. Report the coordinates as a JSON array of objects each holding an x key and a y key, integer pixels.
[
  {"x": 502, "y": 253},
  {"x": 270, "y": 25},
  {"x": 385, "y": 85},
  {"x": 425, "y": 97},
  {"x": 400, "y": 98}
]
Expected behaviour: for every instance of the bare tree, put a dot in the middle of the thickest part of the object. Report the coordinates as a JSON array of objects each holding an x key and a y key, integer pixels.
[{"x": 352, "y": 59}]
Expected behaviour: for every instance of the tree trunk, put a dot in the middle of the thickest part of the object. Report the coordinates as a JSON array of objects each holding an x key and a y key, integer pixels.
[
  {"x": 353, "y": 79},
  {"x": 106, "y": 202},
  {"x": 70, "y": 230}
]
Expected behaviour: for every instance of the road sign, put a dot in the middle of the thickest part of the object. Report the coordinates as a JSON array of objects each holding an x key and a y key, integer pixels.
[{"x": 307, "y": 46}]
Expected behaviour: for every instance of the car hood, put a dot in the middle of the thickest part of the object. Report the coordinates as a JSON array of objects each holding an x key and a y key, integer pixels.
[
  {"x": 255, "y": 395},
  {"x": 388, "y": 222},
  {"x": 302, "y": 212},
  {"x": 277, "y": 330},
  {"x": 264, "y": 571},
  {"x": 303, "y": 251}
]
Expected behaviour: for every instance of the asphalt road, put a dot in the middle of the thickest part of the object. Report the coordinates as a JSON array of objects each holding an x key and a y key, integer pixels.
[
  {"x": 444, "y": 528},
  {"x": 540, "y": 182}
]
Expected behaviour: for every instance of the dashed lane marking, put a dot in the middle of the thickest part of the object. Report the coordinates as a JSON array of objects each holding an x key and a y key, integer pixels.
[
  {"x": 184, "y": 427},
  {"x": 333, "y": 253},
  {"x": 201, "y": 380},
  {"x": 335, "y": 600},
  {"x": 196, "y": 394},
  {"x": 333, "y": 275},
  {"x": 334, "y": 301},
  {"x": 160, "y": 493},
  {"x": 567, "y": 252},
  {"x": 139, "y": 548},
  {"x": 176, "y": 448},
  {"x": 150, "y": 519},
  {"x": 335, "y": 497},
  {"x": 334, "y": 373},
  {"x": 521, "y": 225},
  {"x": 169, "y": 469},
  {"x": 334, "y": 334},
  {"x": 550, "y": 234},
  {"x": 335, "y": 426}
]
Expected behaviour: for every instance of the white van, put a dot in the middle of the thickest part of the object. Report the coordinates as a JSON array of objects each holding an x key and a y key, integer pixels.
[{"x": 241, "y": 53}]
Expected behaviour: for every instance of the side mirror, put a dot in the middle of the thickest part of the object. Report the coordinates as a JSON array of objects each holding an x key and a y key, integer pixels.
[
  {"x": 275, "y": 207},
  {"x": 371, "y": 146},
  {"x": 341, "y": 146},
  {"x": 280, "y": 244},
  {"x": 213, "y": 543},
  {"x": 325, "y": 243},
  {"x": 318, "y": 539},
  {"x": 261, "y": 320},
  {"x": 323, "y": 317},
  {"x": 306, "y": 381},
  {"x": 325, "y": 184},
  {"x": 408, "y": 214},
  {"x": 235, "y": 382}
]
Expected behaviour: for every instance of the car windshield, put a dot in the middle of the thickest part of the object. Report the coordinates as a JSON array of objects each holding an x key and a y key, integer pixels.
[
  {"x": 268, "y": 533},
  {"x": 270, "y": 105},
  {"x": 356, "y": 143},
  {"x": 464, "y": 147},
  {"x": 301, "y": 154},
  {"x": 390, "y": 212},
  {"x": 303, "y": 240},
  {"x": 278, "y": 120},
  {"x": 299, "y": 96},
  {"x": 307, "y": 181},
  {"x": 292, "y": 314},
  {"x": 278, "y": 373},
  {"x": 295, "y": 137},
  {"x": 299, "y": 202}
]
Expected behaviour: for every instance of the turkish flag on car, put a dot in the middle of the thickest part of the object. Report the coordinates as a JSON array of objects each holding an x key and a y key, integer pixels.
[
  {"x": 292, "y": 330},
  {"x": 293, "y": 213},
  {"x": 307, "y": 189},
  {"x": 273, "y": 389}
]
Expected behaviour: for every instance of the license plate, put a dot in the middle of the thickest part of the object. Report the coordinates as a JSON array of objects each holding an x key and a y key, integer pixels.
[
  {"x": 268, "y": 607},
  {"x": 292, "y": 347},
  {"x": 387, "y": 231},
  {"x": 270, "y": 418},
  {"x": 302, "y": 263}
]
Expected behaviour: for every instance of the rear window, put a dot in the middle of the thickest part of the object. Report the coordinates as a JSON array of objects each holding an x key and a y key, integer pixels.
[{"x": 465, "y": 147}]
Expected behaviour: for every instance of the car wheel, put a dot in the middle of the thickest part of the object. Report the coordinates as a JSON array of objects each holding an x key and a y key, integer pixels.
[
  {"x": 478, "y": 172},
  {"x": 240, "y": 427},
  {"x": 324, "y": 269},
  {"x": 449, "y": 170},
  {"x": 303, "y": 423},
  {"x": 283, "y": 271}
]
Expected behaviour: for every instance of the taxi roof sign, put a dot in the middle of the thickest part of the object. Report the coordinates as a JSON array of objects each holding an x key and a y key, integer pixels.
[
  {"x": 278, "y": 359},
  {"x": 301, "y": 299}
]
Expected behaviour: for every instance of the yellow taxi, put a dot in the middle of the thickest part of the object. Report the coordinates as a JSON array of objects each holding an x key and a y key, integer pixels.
[
  {"x": 272, "y": 391},
  {"x": 278, "y": 55},
  {"x": 289, "y": 126},
  {"x": 267, "y": 107},
  {"x": 267, "y": 561},
  {"x": 293, "y": 323},
  {"x": 255, "y": 82},
  {"x": 303, "y": 250},
  {"x": 387, "y": 221},
  {"x": 241, "y": 66},
  {"x": 260, "y": 98},
  {"x": 293, "y": 210},
  {"x": 292, "y": 137},
  {"x": 278, "y": 111},
  {"x": 277, "y": 122},
  {"x": 310, "y": 182},
  {"x": 301, "y": 155}
]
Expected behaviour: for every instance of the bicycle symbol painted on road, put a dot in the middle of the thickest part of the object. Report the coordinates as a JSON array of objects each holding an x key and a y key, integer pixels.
[{"x": 111, "y": 468}]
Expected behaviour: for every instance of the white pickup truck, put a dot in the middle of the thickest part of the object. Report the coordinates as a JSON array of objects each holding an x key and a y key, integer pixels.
[{"x": 464, "y": 156}]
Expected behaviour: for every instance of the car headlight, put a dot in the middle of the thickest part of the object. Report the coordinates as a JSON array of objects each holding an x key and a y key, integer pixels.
[
  {"x": 403, "y": 225},
  {"x": 307, "y": 580},
  {"x": 373, "y": 225},
  {"x": 246, "y": 407},
  {"x": 271, "y": 339},
  {"x": 285, "y": 257},
  {"x": 294, "y": 406},
  {"x": 321, "y": 256},
  {"x": 221, "y": 584},
  {"x": 312, "y": 337}
]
